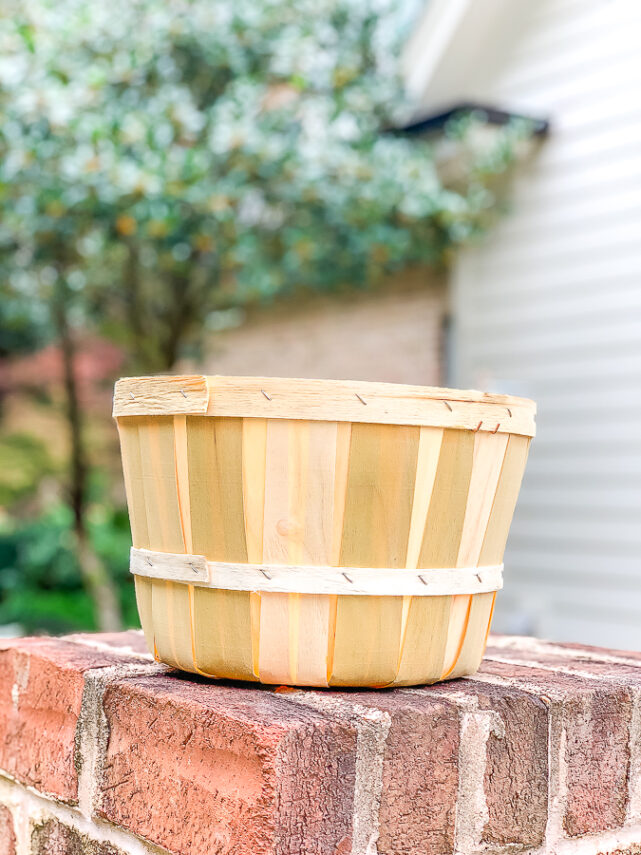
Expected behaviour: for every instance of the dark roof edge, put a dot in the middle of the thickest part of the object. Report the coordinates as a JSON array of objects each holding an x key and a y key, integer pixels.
[{"x": 493, "y": 115}]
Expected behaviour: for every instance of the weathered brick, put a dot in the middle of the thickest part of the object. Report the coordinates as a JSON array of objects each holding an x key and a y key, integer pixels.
[
  {"x": 634, "y": 849},
  {"x": 420, "y": 773},
  {"x": 588, "y": 661},
  {"x": 129, "y": 643},
  {"x": 197, "y": 766},
  {"x": 41, "y": 684},
  {"x": 516, "y": 771},
  {"x": 595, "y": 717},
  {"x": 7, "y": 833},
  {"x": 51, "y": 837},
  {"x": 228, "y": 769},
  {"x": 589, "y": 650}
]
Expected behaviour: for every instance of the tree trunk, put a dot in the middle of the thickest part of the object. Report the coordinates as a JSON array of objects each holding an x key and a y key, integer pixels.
[
  {"x": 178, "y": 319},
  {"x": 141, "y": 344},
  {"x": 95, "y": 576}
]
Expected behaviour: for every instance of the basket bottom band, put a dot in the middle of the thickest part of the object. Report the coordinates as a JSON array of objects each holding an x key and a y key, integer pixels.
[{"x": 315, "y": 579}]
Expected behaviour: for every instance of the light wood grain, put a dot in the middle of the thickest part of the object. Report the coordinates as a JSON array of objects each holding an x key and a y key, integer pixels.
[
  {"x": 182, "y": 479},
  {"x": 505, "y": 500},
  {"x": 221, "y": 621},
  {"x": 169, "y": 602},
  {"x": 424, "y": 642},
  {"x": 172, "y": 567},
  {"x": 222, "y": 636},
  {"x": 442, "y": 535},
  {"x": 159, "y": 483},
  {"x": 254, "y": 450},
  {"x": 214, "y": 448},
  {"x": 429, "y": 451},
  {"x": 172, "y": 624},
  {"x": 288, "y": 536},
  {"x": 314, "y": 579},
  {"x": 134, "y": 484},
  {"x": 376, "y": 526},
  {"x": 473, "y": 644},
  {"x": 424, "y": 625},
  {"x": 254, "y": 453},
  {"x": 329, "y": 400},
  {"x": 145, "y": 609},
  {"x": 385, "y": 403},
  {"x": 281, "y": 536},
  {"x": 147, "y": 396},
  {"x": 314, "y": 613},
  {"x": 492, "y": 549},
  {"x": 367, "y": 641},
  {"x": 487, "y": 461}
]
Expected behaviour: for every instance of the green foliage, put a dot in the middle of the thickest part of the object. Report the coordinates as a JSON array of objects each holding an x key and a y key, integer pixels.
[
  {"x": 24, "y": 460},
  {"x": 168, "y": 157},
  {"x": 40, "y": 583}
]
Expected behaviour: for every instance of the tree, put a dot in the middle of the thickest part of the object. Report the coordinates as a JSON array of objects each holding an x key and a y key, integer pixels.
[
  {"x": 160, "y": 159},
  {"x": 190, "y": 155}
]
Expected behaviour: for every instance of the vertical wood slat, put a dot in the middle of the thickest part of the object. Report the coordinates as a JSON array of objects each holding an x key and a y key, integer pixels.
[
  {"x": 376, "y": 528},
  {"x": 298, "y": 528},
  {"x": 172, "y": 624},
  {"x": 254, "y": 454},
  {"x": 440, "y": 544},
  {"x": 144, "y": 602},
  {"x": 181, "y": 458},
  {"x": 159, "y": 482},
  {"x": 487, "y": 461},
  {"x": 425, "y": 619},
  {"x": 134, "y": 487},
  {"x": 315, "y": 613},
  {"x": 181, "y": 463},
  {"x": 222, "y": 620},
  {"x": 341, "y": 473},
  {"x": 169, "y": 601},
  {"x": 492, "y": 550},
  {"x": 280, "y": 533}
]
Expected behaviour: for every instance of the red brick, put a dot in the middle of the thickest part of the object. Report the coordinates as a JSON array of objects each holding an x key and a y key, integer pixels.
[
  {"x": 589, "y": 650},
  {"x": 633, "y": 849},
  {"x": 41, "y": 684},
  {"x": 420, "y": 773},
  {"x": 596, "y": 718},
  {"x": 7, "y": 834},
  {"x": 588, "y": 661},
  {"x": 53, "y": 838},
  {"x": 516, "y": 771},
  {"x": 227, "y": 769},
  {"x": 129, "y": 643}
]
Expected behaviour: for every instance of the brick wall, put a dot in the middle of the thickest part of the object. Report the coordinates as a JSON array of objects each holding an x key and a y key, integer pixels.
[
  {"x": 393, "y": 334},
  {"x": 104, "y": 752}
]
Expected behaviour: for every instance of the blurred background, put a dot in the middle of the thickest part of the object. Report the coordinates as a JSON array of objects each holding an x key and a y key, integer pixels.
[{"x": 439, "y": 192}]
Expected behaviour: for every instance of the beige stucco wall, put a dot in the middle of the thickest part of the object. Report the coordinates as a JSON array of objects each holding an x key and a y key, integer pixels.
[{"x": 393, "y": 334}]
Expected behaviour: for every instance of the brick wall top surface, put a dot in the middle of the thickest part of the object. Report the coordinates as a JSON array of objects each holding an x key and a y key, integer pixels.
[{"x": 539, "y": 751}]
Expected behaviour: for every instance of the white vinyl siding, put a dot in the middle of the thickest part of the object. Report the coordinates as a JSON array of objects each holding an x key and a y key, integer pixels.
[{"x": 550, "y": 307}]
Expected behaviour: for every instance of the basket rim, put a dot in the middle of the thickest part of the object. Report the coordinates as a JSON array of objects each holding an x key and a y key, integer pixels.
[{"x": 333, "y": 400}]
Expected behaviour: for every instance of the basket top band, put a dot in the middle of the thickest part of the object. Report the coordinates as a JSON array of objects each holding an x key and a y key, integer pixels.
[
  {"x": 298, "y": 579},
  {"x": 323, "y": 400}
]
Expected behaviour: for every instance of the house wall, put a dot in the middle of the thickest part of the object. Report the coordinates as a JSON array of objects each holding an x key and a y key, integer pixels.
[
  {"x": 393, "y": 334},
  {"x": 550, "y": 307}
]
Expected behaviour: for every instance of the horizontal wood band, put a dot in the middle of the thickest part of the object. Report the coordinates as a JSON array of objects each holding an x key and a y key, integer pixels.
[
  {"x": 161, "y": 396},
  {"x": 324, "y": 400},
  {"x": 299, "y": 579}
]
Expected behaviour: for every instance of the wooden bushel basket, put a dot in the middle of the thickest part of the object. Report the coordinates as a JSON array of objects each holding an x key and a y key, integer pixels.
[{"x": 318, "y": 533}]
